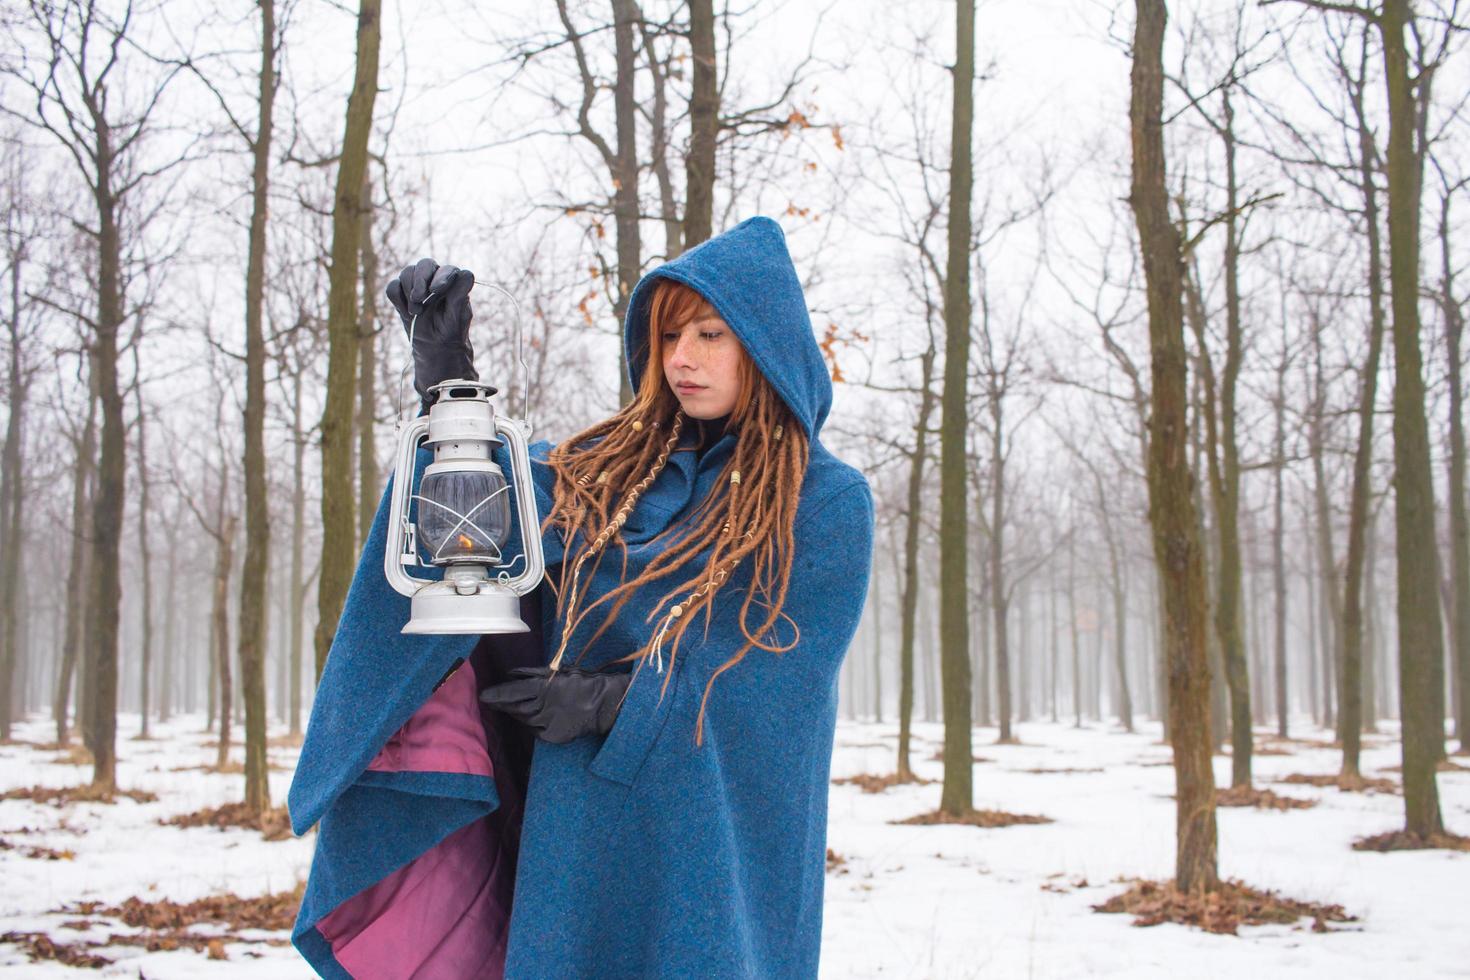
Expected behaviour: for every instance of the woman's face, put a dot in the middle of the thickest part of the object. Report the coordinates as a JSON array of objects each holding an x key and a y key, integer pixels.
[{"x": 702, "y": 366}]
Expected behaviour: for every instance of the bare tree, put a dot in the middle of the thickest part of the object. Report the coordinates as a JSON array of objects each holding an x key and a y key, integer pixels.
[
  {"x": 1452, "y": 309},
  {"x": 338, "y": 526},
  {"x": 1117, "y": 587},
  {"x": 1171, "y": 508},
  {"x": 1421, "y": 641},
  {"x": 704, "y": 113},
  {"x": 916, "y": 225},
  {"x": 257, "y": 508},
  {"x": 1358, "y": 173},
  {"x": 297, "y": 349},
  {"x": 367, "y": 393},
  {"x": 220, "y": 523},
  {"x": 957, "y": 797},
  {"x": 1003, "y": 372},
  {"x": 257, "y": 141},
  {"x": 1278, "y": 526},
  {"x": 620, "y": 155},
  {"x": 20, "y": 226},
  {"x": 1221, "y": 447},
  {"x": 84, "y": 109},
  {"x": 84, "y": 446},
  {"x": 1351, "y": 698},
  {"x": 145, "y": 556},
  {"x": 1420, "y": 638}
]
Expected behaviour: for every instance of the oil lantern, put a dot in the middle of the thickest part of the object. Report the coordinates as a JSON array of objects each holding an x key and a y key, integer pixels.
[{"x": 460, "y": 518}]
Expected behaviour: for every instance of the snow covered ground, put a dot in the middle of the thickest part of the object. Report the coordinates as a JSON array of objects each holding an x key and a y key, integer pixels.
[
  {"x": 955, "y": 901},
  {"x": 906, "y": 901}
]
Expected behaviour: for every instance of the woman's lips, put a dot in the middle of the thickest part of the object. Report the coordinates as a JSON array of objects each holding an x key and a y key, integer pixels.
[{"x": 688, "y": 389}]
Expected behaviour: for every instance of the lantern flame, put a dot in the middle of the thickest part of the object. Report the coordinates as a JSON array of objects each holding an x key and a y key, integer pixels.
[{"x": 466, "y": 542}]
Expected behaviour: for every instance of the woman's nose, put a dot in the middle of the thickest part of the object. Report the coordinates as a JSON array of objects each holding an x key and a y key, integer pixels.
[{"x": 683, "y": 351}]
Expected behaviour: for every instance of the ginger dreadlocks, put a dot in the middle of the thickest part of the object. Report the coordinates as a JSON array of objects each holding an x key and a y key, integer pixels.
[{"x": 749, "y": 515}]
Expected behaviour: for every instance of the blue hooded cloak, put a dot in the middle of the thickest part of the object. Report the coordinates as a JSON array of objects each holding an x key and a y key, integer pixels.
[{"x": 637, "y": 854}]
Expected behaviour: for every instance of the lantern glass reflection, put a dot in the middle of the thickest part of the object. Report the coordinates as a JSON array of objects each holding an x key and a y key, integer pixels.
[{"x": 464, "y": 515}]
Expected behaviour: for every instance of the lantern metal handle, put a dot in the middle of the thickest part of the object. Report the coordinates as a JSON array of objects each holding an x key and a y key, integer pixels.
[{"x": 520, "y": 352}]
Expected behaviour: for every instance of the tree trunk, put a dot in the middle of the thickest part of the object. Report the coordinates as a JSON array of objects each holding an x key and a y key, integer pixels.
[
  {"x": 908, "y": 615},
  {"x": 107, "y": 503},
  {"x": 704, "y": 110},
  {"x": 877, "y": 653},
  {"x": 219, "y": 614},
  {"x": 338, "y": 526},
  {"x": 368, "y": 490},
  {"x": 1023, "y": 654},
  {"x": 144, "y": 555},
  {"x": 625, "y": 173},
  {"x": 957, "y": 794},
  {"x": 1330, "y": 605},
  {"x": 1118, "y": 590},
  {"x": 1221, "y": 463},
  {"x": 926, "y": 655},
  {"x": 1099, "y": 655},
  {"x": 1171, "y": 507},
  {"x": 1076, "y": 638},
  {"x": 167, "y": 656},
  {"x": 1278, "y": 541},
  {"x": 297, "y": 597},
  {"x": 1219, "y": 696},
  {"x": 11, "y": 500},
  {"x": 983, "y": 700},
  {"x": 999, "y": 599},
  {"x": 1372, "y": 647},
  {"x": 211, "y": 681},
  {"x": 1120, "y": 648},
  {"x": 1228, "y": 614},
  {"x": 1056, "y": 651},
  {"x": 1459, "y": 522},
  {"x": 1421, "y": 642},
  {"x": 659, "y": 140},
  {"x": 1350, "y": 696},
  {"x": 1260, "y": 678},
  {"x": 191, "y": 664},
  {"x": 253, "y": 630}
]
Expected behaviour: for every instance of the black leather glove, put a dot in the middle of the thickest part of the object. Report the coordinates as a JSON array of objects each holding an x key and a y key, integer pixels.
[
  {"x": 560, "y": 707},
  {"x": 439, "y": 296}
]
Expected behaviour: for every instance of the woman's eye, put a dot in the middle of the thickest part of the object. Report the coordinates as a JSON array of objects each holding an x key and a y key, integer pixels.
[
  {"x": 669, "y": 338},
  {"x": 711, "y": 335}
]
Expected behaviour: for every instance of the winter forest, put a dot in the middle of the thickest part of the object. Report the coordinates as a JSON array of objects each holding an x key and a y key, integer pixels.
[{"x": 1144, "y": 322}]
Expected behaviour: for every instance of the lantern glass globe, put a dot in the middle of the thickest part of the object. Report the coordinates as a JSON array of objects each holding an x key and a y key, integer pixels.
[{"x": 463, "y": 515}]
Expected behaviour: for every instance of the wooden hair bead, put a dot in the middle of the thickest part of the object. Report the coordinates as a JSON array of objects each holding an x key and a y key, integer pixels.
[
  {"x": 602, "y": 477},
  {"x": 735, "y": 476},
  {"x": 637, "y": 426},
  {"x": 676, "y": 612},
  {"x": 778, "y": 432}
]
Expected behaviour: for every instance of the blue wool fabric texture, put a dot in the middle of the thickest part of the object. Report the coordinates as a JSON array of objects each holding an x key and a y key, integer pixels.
[{"x": 642, "y": 854}]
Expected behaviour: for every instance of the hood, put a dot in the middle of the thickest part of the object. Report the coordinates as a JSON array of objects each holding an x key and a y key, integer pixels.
[{"x": 747, "y": 275}]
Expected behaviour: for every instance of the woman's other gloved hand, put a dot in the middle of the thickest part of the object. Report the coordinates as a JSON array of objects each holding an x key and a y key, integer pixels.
[
  {"x": 560, "y": 707},
  {"x": 439, "y": 296}
]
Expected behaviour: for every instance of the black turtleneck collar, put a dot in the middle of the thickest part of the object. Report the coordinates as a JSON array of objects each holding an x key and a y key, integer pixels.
[{"x": 707, "y": 432}]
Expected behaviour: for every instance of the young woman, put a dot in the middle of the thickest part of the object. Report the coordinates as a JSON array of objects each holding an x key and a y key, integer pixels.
[{"x": 707, "y": 564}]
